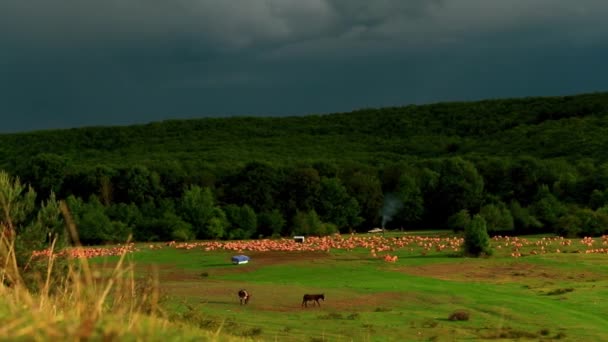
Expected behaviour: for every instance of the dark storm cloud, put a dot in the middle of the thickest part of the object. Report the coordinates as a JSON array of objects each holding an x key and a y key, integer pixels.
[{"x": 82, "y": 62}]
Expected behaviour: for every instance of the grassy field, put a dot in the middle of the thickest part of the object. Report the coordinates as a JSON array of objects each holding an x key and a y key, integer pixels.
[{"x": 536, "y": 289}]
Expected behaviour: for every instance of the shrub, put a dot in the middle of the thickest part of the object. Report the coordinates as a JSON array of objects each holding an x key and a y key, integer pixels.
[
  {"x": 476, "y": 238},
  {"x": 459, "y": 315}
]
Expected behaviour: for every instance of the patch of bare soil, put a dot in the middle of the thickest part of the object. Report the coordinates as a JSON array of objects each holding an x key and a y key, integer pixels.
[
  {"x": 290, "y": 300},
  {"x": 477, "y": 271}
]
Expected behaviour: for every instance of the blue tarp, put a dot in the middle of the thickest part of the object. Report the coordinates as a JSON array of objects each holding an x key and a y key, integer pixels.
[{"x": 240, "y": 259}]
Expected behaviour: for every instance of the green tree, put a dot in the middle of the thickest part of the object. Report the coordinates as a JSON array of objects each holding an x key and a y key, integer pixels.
[
  {"x": 26, "y": 229},
  {"x": 495, "y": 173},
  {"x": 310, "y": 224},
  {"x": 243, "y": 221},
  {"x": 94, "y": 225},
  {"x": 476, "y": 238},
  {"x": 271, "y": 223},
  {"x": 217, "y": 226},
  {"x": 498, "y": 218},
  {"x": 126, "y": 213},
  {"x": 138, "y": 184},
  {"x": 16, "y": 201},
  {"x": 335, "y": 205},
  {"x": 180, "y": 229},
  {"x": 197, "y": 207},
  {"x": 366, "y": 188},
  {"x": 459, "y": 221},
  {"x": 302, "y": 189},
  {"x": 46, "y": 227},
  {"x": 547, "y": 207},
  {"x": 46, "y": 171},
  {"x": 598, "y": 199},
  {"x": 411, "y": 198},
  {"x": 569, "y": 226},
  {"x": 523, "y": 220},
  {"x": 460, "y": 187},
  {"x": 257, "y": 185},
  {"x": 594, "y": 223},
  {"x": 525, "y": 175}
]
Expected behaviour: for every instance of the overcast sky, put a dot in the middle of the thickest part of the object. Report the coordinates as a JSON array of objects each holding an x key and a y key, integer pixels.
[{"x": 73, "y": 63}]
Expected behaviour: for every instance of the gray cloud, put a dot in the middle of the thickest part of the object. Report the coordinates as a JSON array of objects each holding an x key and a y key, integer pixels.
[
  {"x": 238, "y": 24},
  {"x": 75, "y": 62}
]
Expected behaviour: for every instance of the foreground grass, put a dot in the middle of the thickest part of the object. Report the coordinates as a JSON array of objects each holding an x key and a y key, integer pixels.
[
  {"x": 88, "y": 305},
  {"x": 105, "y": 311}
]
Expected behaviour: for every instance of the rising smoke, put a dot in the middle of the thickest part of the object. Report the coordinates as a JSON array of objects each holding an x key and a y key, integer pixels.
[{"x": 391, "y": 206}]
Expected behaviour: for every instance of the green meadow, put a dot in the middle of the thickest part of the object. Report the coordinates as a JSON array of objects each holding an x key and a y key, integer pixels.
[{"x": 546, "y": 296}]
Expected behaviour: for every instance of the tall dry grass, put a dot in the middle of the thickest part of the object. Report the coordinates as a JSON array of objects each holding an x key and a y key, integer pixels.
[{"x": 86, "y": 304}]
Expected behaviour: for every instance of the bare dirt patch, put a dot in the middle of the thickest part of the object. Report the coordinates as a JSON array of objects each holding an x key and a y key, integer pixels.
[{"x": 479, "y": 271}]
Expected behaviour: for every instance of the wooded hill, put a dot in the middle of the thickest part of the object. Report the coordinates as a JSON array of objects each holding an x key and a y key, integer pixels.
[
  {"x": 523, "y": 164},
  {"x": 573, "y": 127}
]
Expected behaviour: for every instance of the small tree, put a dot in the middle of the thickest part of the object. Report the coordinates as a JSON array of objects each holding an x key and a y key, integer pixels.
[
  {"x": 243, "y": 221},
  {"x": 476, "y": 238},
  {"x": 198, "y": 209},
  {"x": 26, "y": 228}
]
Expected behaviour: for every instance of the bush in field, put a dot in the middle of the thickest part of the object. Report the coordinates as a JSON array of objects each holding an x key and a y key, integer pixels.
[
  {"x": 459, "y": 315},
  {"x": 476, "y": 238}
]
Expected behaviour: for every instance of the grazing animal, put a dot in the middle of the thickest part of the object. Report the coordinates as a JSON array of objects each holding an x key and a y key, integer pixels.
[
  {"x": 244, "y": 296},
  {"x": 312, "y": 298}
]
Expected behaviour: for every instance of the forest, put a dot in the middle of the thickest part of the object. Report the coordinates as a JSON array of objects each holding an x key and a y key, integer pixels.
[{"x": 527, "y": 166}]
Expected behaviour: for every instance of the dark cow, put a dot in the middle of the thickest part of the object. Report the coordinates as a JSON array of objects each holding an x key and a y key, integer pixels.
[
  {"x": 244, "y": 296},
  {"x": 312, "y": 298}
]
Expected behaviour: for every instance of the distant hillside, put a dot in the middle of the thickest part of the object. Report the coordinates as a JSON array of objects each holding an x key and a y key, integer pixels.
[
  {"x": 573, "y": 127},
  {"x": 531, "y": 165}
]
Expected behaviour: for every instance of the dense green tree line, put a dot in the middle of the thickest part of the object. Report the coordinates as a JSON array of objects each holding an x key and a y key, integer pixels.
[
  {"x": 513, "y": 195},
  {"x": 523, "y": 165}
]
